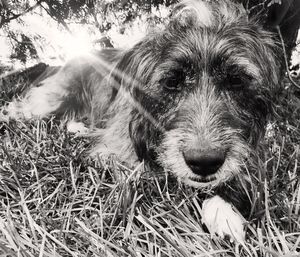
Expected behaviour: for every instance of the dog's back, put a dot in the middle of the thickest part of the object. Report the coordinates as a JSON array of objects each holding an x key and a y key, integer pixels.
[{"x": 71, "y": 89}]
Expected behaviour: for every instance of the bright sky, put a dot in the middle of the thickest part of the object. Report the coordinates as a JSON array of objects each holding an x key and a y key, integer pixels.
[{"x": 55, "y": 45}]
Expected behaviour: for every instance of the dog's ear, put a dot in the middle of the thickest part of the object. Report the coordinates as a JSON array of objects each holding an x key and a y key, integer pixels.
[
  {"x": 144, "y": 135},
  {"x": 121, "y": 73},
  {"x": 136, "y": 65},
  {"x": 130, "y": 77},
  {"x": 191, "y": 13}
]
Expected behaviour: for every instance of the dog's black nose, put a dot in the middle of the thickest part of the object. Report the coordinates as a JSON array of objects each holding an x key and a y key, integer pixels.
[{"x": 204, "y": 162}]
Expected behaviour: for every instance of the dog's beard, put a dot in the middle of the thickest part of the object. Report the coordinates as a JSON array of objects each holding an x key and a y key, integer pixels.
[{"x": 171, "y": 158}]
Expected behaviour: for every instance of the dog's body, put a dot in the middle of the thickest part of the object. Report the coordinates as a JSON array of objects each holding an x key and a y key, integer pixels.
[{"x": 192, "y": 100}]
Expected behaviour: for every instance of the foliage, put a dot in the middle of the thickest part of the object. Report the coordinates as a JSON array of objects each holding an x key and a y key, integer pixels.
[{"x": 99, "y": 16}]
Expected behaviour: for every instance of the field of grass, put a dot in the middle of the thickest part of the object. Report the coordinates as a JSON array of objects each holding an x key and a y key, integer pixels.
[{"x": 55, "y": 201}]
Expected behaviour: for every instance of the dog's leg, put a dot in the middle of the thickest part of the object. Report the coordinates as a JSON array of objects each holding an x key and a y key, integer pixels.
[{"x": 39, "y": 101}]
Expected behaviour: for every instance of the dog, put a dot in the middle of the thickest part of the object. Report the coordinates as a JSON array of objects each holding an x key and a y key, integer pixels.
[{"x": 192, "y": 99}]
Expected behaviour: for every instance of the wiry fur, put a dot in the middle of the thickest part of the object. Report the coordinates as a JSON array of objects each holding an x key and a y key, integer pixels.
[{"x": 204, "y": 82}]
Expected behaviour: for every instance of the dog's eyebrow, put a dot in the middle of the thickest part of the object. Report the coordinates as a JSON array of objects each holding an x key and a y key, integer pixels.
[
  {"x": 250, "y": 68},
  {"x": 166, "y": 68}
]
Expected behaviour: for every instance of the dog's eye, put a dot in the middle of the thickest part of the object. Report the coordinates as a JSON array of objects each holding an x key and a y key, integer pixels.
[
  {"x": 174, "y": 81},
  {"x": 235, "y": 82}
]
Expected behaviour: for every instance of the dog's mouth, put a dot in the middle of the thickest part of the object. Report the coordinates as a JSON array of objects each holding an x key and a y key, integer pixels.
[{"x": 203, "y": 179}]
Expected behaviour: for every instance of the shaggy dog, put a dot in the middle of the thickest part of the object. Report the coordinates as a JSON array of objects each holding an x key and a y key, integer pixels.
[{"x": 192, "y": 99}]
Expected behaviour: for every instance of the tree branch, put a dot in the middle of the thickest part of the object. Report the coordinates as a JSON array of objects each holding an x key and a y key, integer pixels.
[
  {"x": 57, "y": 19},
  {"x": 16, "y": 16}
]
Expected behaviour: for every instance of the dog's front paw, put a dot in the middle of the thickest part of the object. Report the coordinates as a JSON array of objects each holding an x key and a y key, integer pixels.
[{"x": 220, "y": 218}]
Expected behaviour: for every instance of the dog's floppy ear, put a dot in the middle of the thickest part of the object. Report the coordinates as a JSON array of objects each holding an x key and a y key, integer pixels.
[
  {"x": 130, "y": 77},
  {"x": 143, "y": 135},
  {"x": 135, "y": 66},
  {"x": 120, "y": 74}
]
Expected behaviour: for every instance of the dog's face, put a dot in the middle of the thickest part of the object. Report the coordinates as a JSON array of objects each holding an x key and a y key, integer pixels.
[{"x": 201, "y": 91}]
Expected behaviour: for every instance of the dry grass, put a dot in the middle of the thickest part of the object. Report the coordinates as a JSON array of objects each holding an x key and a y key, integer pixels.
[{"x": 57, "y": 202}]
